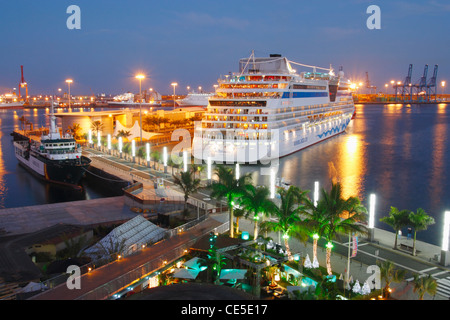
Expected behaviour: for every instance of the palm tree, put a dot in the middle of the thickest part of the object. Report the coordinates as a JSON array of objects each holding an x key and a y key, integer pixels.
[
  {"x": 187, "y": 183},
  {"x": 256, "y": 201},
  {"x": 419, "y": 220},
  {"x": 397, "y": 219},
  {"x": 75, "y": 130},
  {"x": 123, "y": 133},
  {"x": 238, "y": 213},
  {"x": 97, "y": 126},
  {"x": 389, "y": 274},
  {"x": 424, "y": 285},
  {"x": 316, "y": 218},
  {"x": 288, "y": 214},
  {"x": 230, "y": 188},
  {"x": 341, "y": 216}
]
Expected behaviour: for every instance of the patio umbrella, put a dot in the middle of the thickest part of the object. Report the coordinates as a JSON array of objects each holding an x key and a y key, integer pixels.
[
  {"x": 233, "y": 274},
  {"x": 185, "y": 273}
]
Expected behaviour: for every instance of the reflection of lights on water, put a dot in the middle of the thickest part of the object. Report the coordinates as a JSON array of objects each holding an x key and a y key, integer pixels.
[
  {"x": 351, "y": 167},
  {"x": 352, "y": 144}
]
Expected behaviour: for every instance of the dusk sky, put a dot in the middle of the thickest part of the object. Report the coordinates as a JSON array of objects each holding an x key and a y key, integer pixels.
[{"x": 195, "y": 42}]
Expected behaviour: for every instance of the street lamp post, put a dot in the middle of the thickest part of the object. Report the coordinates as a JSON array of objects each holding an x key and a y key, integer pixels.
[
  {"x": 140, "y": 77},
  {"x": 69, "y": 81},
  {"x": 174, "y": 84}
]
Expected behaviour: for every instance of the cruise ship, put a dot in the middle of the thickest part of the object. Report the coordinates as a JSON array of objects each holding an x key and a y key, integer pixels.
[
  {"x": 269, "y": 110},
  {"x": 195, "y": 99}
]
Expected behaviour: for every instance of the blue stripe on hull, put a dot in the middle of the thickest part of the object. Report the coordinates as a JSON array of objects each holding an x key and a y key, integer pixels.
[{"x": 334, "y": 130}]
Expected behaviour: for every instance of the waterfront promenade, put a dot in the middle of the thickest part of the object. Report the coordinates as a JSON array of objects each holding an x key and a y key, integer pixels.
[{"x": 426, "y": 262}]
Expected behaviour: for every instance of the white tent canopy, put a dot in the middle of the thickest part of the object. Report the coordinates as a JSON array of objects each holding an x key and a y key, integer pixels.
[
  {"x": 185, "y": 273},
  {"x": 128, "y": 238},
  {"x": 194, "y": 263}
]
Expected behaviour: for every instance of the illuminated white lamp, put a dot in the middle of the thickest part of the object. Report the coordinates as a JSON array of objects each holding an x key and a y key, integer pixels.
[
  {"x": 316, "y": 192},
  {"x": 372, "y": 211},
  {"x": 185, "y": 161},
  {"x": 99, "y": 139},
  {"x": 237, "y": 171},
  {"x": 165, "y": 156},
  {"x": 209, "y": 168},
  {"x": 272, "y": 183},
  {"x": 147, "y": 149},
  {"x": 90, "y": 136},
  {"x": 120, "y": 144},
  {"x": 133, "y": 148},
  {"x": 109, "y": 141},
  {"x": 446, "y": 231}
]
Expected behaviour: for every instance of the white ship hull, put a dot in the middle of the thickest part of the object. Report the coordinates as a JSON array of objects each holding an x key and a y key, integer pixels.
[
  {"x": 252, "y": 151},
  {"x": 195, "y": 99},
  {"x": 11, "y": 105}
]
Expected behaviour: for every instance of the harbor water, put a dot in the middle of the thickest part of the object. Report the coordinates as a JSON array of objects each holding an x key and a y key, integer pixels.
[
  {"x": 18, "y": 187},
  {"x": 398, "y": 152}
]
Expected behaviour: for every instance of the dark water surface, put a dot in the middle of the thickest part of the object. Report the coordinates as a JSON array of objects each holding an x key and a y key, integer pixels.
[{"x": 399, "y": 152}]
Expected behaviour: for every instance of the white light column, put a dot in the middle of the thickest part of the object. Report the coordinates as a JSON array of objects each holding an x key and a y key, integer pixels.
[
  {"x": 165, "y": 158},
  {"x": 316, "y": 192},
  {"x": 109, "y": 142},
  {"x": 185, "y": 161},
  {"x": 372, "y": 217},
  {"x": 147, "y": 150},
  {"x": 90, "y": 136},
  {"x": 133, "y": 149},
  {"x": 238, "y": 174},
  {"x": 272, "y": 183},
  {"x": 209, "y": 172},
  {"x": 99, "y": 140},
  {"x": 445, "y": 254},
  {"x": 120, "y": 146}
]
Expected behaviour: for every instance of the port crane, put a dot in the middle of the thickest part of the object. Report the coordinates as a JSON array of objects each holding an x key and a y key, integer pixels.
[
  {"x": 368, "y": 86},
  {"x": 423, "y": 90},
  {"x": 23, "y": 84}
]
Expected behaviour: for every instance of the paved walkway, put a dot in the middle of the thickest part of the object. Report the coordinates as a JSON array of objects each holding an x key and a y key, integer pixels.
[{"x": 22, "y": 220}]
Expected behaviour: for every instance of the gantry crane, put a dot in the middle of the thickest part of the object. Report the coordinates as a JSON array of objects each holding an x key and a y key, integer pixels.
[{"x": 23, "y": 84}]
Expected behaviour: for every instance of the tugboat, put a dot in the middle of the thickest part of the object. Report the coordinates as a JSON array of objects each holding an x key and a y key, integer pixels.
[{"x": 53, "y": 157}]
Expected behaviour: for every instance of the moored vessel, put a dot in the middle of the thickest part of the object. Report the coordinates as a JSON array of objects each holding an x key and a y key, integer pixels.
[
  {"x": 48, "y": 154},
  {"x": 268, "y": 110}
]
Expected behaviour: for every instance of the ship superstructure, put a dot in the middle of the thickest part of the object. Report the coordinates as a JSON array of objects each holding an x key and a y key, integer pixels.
[{"x": 268, "y": 110}]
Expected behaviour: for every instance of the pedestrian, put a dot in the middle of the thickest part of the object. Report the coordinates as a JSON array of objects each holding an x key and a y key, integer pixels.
[{"x": 409, "y": 233}]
